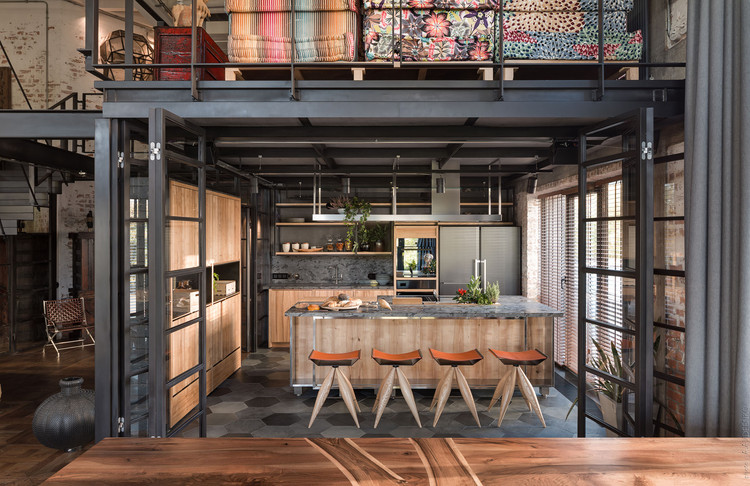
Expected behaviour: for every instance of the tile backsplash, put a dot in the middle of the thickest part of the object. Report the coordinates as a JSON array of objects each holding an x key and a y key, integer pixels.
[{"x": 316, "y": 269}]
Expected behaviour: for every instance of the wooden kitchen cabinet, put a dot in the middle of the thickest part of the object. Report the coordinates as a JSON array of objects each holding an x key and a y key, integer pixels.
[
  {"x": 280, "y": 300},
  {"x": 223, "y": 314}
]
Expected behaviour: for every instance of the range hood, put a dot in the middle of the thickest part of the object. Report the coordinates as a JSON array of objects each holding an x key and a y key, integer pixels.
[{"x": 445, "y": 207}]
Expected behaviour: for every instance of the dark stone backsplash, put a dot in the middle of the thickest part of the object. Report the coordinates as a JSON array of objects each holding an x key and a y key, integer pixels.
[{"x": 315, "y": 269}]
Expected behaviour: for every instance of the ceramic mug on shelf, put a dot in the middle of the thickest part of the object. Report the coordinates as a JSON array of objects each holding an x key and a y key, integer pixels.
[
  {"x": 285, "y": 247},
  {"x": 305, "y": 246},
  {"x": 295, "y": 246}
]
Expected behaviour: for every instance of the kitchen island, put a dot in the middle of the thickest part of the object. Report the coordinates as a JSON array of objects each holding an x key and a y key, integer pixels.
[{"x": 514, "y": 324}]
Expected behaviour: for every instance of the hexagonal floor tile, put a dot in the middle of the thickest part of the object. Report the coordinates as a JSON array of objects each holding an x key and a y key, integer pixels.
[
  {"x": 220, "y": 418},
  {"x": 245, "y": 426},
  {"x": 341, "y": 432},
  {"x": 228, "y": 407},
  {"x": 262, "y": 402},
  {"x": 281, "y": 419}
]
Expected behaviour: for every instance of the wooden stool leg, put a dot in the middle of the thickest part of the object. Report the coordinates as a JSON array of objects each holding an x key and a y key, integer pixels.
[
  {"x": 408, "y": 395},
  {"x": 527, "y": 390},
  {"x": 439, "y": 387},
  {"x": 380, "y": 392},
  {"x": 463, "y": 385},
  {"x": 347, "y": 393},
  {"x": 386, "y": 389},
  {"x": 325, "y": 388},
  {"x": 342, "y": 376},
  {"x": 442, "y": 397},
  {"x": 510, "y": 385},
  {"x": 499, "y": 389}
]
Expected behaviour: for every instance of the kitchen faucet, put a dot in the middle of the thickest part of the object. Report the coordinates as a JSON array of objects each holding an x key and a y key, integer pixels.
[{"x": 336, "y": 275}]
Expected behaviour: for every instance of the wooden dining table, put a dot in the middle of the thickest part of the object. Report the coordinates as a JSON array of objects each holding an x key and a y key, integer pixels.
[{"x": 431, "y": 461}]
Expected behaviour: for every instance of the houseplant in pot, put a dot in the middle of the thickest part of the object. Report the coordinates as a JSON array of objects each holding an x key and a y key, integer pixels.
[
  {"x": 377, "y": 237},
  {"x": 356, "y": 212}
]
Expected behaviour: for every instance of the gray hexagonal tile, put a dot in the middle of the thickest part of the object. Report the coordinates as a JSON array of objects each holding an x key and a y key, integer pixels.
[
  {"x": 220, "y": 418},
  {"x": 244, "y": 426},
  {"x": 284, "y": 419},
  {"x": 341, "y": 432},
  {"x": 262, "y": 402},
  {"x": 228, "y": 407}
]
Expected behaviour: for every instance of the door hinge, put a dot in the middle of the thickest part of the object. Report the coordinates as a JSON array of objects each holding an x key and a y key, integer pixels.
[
  {"x": 120, "y": 160},
  {"x": 155, "y": 151},
  {"x": 647, "y": 150},
  {"x": 120, "y": 425}
]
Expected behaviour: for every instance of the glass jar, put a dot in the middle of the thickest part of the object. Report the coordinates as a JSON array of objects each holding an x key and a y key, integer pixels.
[
  {"x": 329, "y": 243},
  {"x": 339, "y": 245}
]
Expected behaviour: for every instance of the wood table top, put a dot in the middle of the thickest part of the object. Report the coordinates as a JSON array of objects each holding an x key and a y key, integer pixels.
[{"x": 434, "y": 461}]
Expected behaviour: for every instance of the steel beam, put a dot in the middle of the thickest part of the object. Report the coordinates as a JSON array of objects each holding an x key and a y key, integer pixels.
[
  {"x": 292, "y": 152},
  {"x": 50, "y": 125},
  {"x": 386, "y": 171},
  {"x": 45, "y": 155}
]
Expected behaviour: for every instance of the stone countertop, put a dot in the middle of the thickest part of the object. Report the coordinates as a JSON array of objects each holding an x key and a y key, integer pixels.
[
  {"x": 509, "y": 307},
  {"x": 308, "y": 285}
]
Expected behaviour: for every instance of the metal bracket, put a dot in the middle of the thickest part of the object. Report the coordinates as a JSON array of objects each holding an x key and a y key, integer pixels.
[
  {"x": 120, "y": 425},
  {"x": 647, "y": 150},
  {"x": 121, "y": 160},
  {"x": 155, "y": 151}
]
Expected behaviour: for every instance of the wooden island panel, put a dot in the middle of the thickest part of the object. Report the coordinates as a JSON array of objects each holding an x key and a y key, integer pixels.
[{"x": 405, "y": 334}]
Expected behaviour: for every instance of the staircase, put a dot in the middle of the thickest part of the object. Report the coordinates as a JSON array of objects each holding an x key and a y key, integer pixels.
[{"x": 20, "y": 195}]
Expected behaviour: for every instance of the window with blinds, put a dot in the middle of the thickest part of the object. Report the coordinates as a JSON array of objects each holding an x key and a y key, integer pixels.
[{"x": 559, "y": 272}]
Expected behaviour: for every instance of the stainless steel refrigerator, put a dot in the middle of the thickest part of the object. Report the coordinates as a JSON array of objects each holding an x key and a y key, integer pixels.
[{"x": 490, "y": 252}]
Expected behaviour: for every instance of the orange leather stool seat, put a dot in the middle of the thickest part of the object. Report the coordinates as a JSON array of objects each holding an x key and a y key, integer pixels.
[
  {"x": 404, "y": 359},
  {"x": 334, "y": 359},
  {"x": 467, "y": 358},
  {"x": 531, "y": 357}
]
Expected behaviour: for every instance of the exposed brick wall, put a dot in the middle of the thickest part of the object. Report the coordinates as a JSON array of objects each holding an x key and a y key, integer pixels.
[
  {"x": 24, "y": 36},
  {"x": 73, "y": 204}
]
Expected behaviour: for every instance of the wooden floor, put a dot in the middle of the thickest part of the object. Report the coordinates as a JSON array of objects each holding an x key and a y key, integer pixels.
[
  {"x": 27, "y": 379},
  {"x": 450, "y": 462}
]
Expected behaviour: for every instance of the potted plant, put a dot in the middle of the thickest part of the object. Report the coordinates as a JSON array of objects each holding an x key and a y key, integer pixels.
[
  {"x": 473, "y": 294},
  {"x": 377, "y": 237},
  {"x": 363, "y": 236},
  {"x": 356, "y": 212},
  {"x": 338, "y": 203},
  {"x": 412, "y": 266}
]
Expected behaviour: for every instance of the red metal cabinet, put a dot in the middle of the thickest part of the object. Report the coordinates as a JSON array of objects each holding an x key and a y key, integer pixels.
[{"x": 172, "y": 46}]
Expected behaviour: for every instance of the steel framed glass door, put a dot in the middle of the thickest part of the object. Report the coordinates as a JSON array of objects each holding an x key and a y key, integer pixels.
[
  {"x": 615, "y": 280},
  {"x": 178, "y": 279}
]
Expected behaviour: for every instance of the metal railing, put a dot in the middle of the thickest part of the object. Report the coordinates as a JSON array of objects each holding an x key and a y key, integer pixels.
[{"x": 638, "y": 17}]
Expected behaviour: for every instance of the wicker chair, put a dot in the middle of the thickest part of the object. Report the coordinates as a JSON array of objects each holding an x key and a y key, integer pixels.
[{"x": 64, "y": 316}]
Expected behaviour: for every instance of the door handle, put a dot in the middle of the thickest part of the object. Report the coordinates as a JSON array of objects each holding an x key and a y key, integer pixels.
[
  {"x": 484, "y": 275},
  {"x": 476, "y": 268}
]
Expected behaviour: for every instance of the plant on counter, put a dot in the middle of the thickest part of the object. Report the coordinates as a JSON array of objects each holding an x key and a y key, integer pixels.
[
  {"x": 356, "y": 212},
  {"x": 473, "y": 294},
  {"x": 412, "y": 265},
  {"x": 377, "y": 233},
  {"x": 216, "y": 280}
]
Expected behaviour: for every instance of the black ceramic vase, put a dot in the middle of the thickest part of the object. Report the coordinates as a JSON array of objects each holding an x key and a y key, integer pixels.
[{"x": 66, "y": 420}]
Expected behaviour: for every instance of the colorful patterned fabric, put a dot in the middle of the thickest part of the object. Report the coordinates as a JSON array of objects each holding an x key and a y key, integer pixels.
[
  {"x": 381, "y": 48},
  {"x": 432, "y": 4},
  {"x": 568, "y": 22},
  {"x": 565, "y": 5},
  {"x": 266, "y": 37},
  {"x": 618, "y": 46},
  {"x": 416, "y": 24},
  {"x": 232, "y": 6}
]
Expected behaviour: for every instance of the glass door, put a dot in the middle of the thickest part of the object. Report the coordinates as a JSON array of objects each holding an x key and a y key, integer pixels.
[
  {"x": 177, "y": 274},
  {"x": 615, "y": 283}
]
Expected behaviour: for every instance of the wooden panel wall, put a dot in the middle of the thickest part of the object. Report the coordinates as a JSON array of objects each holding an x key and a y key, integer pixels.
[
  {"x": 402, "y": 335},
  {"x": 223, "y": 228},
  {"x": 5, "y": 89}
]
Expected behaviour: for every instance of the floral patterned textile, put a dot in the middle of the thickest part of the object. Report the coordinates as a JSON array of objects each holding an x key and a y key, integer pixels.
[
  {"x": 565, "y": 5},
  {"x": 570, "y": 22},
  {"x": 430, "y": 35},
  {"x": 618, "y": 46},
  {"x": 432, "y": 4},
  {"x": 430, "y": 23}
]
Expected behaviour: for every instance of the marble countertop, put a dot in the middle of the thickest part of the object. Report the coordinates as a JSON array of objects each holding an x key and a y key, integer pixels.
[
  {"x": 328, "y": 285},
  {"x": 509, "y": 307}
]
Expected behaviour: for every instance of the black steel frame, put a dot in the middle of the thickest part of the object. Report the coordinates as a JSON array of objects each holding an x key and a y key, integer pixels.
[
  {"x": 642, "y": 387},
  {"x": 159, "y": 273}
]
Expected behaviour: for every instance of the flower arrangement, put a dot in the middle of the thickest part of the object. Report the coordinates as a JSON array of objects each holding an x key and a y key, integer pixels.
[{"x": 473, "y": 294}]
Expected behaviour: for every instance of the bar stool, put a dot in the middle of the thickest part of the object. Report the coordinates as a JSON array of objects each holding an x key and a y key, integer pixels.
[
  {"x": 515, "y": 375},
  {"x": 443, "y": 390},
  {"x": 386, "y": 386},
  {"x": 345, "y": 387}
]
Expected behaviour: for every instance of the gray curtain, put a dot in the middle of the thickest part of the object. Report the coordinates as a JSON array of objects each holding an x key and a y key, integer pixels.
[{"x": 717, "y": 233}]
